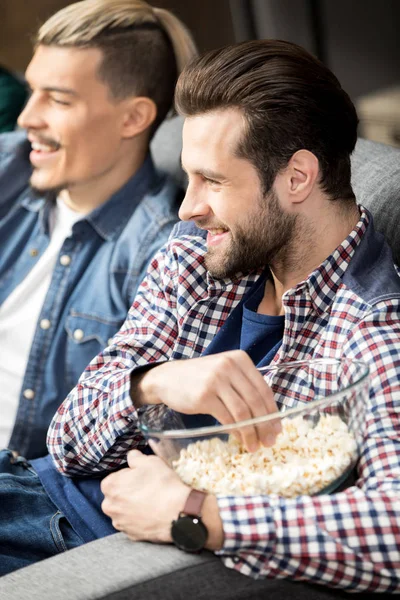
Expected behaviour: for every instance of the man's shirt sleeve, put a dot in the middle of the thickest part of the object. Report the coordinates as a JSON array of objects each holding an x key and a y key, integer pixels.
[
  {"x": 351, "y": 539},
  {"x": 96, "y": 425}
]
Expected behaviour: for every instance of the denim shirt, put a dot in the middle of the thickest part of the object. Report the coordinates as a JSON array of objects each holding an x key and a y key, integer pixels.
[{"x": 90, "y": 291}]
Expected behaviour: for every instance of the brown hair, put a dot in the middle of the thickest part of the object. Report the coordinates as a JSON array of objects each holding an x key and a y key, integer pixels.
[
  {"x": 144, "y": 48},
  {"x": 290, "y": 101}
]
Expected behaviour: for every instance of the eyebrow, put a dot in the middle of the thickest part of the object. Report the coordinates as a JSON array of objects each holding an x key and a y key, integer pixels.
[
  {"x": 59, "y": 90},
  {"x": 208, "y": 173},
  {"x": 51, "y": 88}
]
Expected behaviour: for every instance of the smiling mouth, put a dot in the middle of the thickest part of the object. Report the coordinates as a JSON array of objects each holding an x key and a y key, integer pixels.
[
  {"x": 45, "y": 148},
  {"x": 215, "y": 236},
  {"x": 217, "y": 231}
]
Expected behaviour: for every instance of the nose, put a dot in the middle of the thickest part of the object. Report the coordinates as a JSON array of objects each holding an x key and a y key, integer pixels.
[
  {"x": 31, "y": 117},
  {"x": 194, "y": 204}
]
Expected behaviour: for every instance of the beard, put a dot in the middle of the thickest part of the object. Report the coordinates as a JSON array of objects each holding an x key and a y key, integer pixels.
[
  {"x": 265, "y": 239},
  {"x": 47, "y": 192}
]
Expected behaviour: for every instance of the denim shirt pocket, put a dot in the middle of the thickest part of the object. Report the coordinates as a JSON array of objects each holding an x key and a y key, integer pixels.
[{"x": 87, "y": 335}]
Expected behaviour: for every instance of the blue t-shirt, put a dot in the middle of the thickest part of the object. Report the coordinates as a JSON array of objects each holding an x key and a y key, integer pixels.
[
  {"x": 261, "y": 335},
  {"x": 80, "y": 499}
]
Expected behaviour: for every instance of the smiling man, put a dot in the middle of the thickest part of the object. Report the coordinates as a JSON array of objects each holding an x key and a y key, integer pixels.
[
  {"x": 82, "y": 207},
  {"x": 84, "y": 143},
  {"x": 275, "y": 263},
  {"x": 237, "y": 241}
]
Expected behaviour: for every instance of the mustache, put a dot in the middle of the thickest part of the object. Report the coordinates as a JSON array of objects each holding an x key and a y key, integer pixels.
[
  {"x": 204, "y": 224},
  {"x": 47, "y": 141}
]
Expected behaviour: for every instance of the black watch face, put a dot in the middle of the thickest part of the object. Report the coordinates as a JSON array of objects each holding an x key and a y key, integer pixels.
[{"x": 189, "y": 533}]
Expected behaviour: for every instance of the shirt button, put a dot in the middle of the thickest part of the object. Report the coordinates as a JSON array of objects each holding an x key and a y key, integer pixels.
[
  {"x": 109, "y": 342},
  {"x": 236, "y": 560},
  {"x": 65, "y": 260},
  {"x": 29, "y": 394},
  {"x": 78, "y": 334},
  {"x": 45, "y": 324},
  {"x": 33, "y": 251}
]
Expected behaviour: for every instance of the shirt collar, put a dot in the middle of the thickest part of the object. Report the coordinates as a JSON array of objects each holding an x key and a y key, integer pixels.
[{"x": 321, "y": 286}]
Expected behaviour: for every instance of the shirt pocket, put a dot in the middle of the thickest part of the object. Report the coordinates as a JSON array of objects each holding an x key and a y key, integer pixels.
[{"x": 87, "y": 335}]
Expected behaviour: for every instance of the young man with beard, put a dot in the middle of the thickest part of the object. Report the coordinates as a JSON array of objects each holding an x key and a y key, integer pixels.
[
  {"x": 82, "y": 207},
  {"x": 277, "y": 263}
]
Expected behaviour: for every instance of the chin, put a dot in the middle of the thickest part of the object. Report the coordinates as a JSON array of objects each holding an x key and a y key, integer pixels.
[
  {"x": 216, "y": 266},
  {"x": 41, "y": 185}
]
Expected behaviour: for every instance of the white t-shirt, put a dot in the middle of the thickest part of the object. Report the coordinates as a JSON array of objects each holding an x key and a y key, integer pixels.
[{"x": 19, "y": 314}]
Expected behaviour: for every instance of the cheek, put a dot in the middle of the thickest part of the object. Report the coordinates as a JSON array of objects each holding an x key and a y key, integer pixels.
[
  {"x": 92, "y": 147},
  {"x": 98, "y": 131}
]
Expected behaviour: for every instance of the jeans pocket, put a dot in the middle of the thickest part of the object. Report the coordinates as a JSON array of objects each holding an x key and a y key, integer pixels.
[{"x": 64, "y": 536}]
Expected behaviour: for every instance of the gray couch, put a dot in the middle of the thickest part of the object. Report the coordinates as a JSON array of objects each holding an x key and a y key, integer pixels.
[{"x": 115, "y": 568}]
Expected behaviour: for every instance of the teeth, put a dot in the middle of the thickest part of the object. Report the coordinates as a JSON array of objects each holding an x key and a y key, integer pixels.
[
  {"x": 217, "y": 231},
  {"x": 42, "y": 147}
]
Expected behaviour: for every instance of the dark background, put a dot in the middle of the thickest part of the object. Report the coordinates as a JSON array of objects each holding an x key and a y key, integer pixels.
[
  {"x": 360, "y": 38},
  {"x": 209, "y": 21},
  {"x": 357, "y": 39}
]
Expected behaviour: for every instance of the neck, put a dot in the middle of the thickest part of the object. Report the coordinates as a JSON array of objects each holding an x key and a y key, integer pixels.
[
  {"x": 84, "y": 198},
  {"x": 311, "y": 245}
]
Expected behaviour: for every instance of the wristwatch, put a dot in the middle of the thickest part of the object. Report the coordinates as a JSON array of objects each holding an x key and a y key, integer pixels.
[{"x": 188, "y": 531}]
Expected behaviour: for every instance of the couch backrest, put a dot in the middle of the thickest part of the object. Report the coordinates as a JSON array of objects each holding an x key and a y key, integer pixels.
[
  {"x": 376, "y": 183},
  {"x": 376, "y": 176},
  {"x": 166, "y": 148}
]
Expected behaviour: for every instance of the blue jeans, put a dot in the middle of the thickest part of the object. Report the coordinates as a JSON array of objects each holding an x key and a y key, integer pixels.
[{"x": 31, "y": 526}]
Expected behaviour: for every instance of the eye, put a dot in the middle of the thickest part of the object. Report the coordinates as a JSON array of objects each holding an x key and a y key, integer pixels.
[
  {"x": 211, "y": 181},
  {"x": 58, "y": 101}
]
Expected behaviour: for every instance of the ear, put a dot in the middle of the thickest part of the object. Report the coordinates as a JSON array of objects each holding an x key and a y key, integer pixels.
[
  {"x": 300, "y": 176},
  {"x": 139, "y": 113}
]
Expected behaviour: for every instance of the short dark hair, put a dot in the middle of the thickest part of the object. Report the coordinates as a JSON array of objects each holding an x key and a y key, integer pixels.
[{"x": 290, "y": 101}]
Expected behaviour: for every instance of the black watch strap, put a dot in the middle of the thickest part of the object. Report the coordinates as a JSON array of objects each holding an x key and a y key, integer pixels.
[{"x": 188, "y": 531}]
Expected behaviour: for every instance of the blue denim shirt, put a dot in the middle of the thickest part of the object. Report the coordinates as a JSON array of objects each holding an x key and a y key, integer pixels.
[{"x": 89, "y": 297}]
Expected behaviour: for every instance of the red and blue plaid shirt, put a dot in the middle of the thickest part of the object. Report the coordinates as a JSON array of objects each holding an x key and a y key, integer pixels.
[{"x": 348, "y": 307}]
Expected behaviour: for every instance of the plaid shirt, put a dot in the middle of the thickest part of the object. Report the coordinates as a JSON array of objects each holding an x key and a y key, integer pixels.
[{"x": 348, "y": 307}]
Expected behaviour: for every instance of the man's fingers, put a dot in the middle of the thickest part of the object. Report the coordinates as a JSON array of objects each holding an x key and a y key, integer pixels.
[
  {"x": 269, "y": 430},
  {"x": 251, "y": 391},
  {"x": 272, "y": 428},
  {"x": 221, "y": 412},
  {"x": 133, "y": 457},
  {"x": 240, "y": 411},
  {"x": 227, "y": 407}
]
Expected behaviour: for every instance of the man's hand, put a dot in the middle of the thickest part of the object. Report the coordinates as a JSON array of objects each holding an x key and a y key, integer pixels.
[
  {"x": 144, "y": 499},
  {"x": 227, "y": 386}
]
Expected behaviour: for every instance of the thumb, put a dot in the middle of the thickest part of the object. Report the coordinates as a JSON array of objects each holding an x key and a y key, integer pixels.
[{"x": 133, "y": 457}]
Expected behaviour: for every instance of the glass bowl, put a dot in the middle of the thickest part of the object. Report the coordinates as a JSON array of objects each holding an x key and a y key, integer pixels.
[{"x": 321, "y": 416}]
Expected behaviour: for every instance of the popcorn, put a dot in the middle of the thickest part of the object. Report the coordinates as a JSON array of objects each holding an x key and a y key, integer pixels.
[{"x": 303, "y": 461}]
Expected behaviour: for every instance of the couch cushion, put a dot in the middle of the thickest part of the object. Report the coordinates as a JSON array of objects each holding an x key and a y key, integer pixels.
[
  {"x": 114, "y": 568},
  {"x": 166, "y": 148}
]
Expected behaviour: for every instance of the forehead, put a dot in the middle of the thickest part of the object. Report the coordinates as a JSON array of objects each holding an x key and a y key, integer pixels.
[
  {"x": 73, "y": 68},
  {"x": 213, "y": 135}
]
